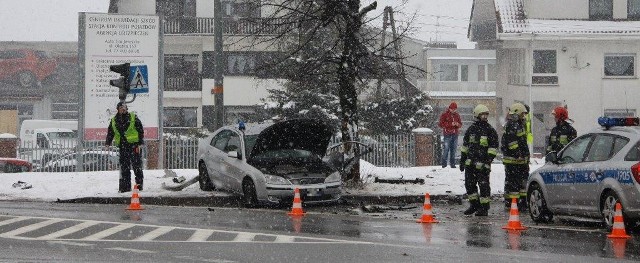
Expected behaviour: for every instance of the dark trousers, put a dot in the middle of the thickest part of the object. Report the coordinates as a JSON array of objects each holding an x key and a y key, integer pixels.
[
  {"x": 128, "y": 160},
  {"x": 474, "y": 179},
  {"x": 515, "y": 180}
]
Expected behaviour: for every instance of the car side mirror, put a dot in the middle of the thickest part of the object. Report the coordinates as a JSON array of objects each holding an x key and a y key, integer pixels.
[
  {"x": 551, "y": 157},
  {"x": 233, "y": 154}
]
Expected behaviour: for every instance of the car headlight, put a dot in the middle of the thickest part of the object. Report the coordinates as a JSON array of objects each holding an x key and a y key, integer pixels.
[
  {"x": 272, "y": 179},
  {"x": 334, "y": 177}
]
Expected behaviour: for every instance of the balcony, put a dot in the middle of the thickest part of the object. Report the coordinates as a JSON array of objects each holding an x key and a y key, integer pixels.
[
  {"x": 231, "y": 26},
  {"x": 457, "y": 86},
  {"x": 182, "y": 84}
]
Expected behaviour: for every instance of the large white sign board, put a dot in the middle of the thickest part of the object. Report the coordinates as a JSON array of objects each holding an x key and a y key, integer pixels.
[{"x": 109, "y": 39}]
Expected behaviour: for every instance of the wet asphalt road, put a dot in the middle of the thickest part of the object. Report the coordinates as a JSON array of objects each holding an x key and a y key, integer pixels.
[{"x": 383, "y": 224}]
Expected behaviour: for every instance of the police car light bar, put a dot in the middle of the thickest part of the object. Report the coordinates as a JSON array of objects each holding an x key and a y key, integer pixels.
[{"x": 612, "y": 122}]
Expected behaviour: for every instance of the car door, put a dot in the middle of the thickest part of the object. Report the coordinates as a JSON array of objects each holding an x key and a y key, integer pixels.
[
  {"x": 599, "y": 165},
  {"x": 559, "y": 179},
  {"x": 214, "y": 159},
  {"x": 235, "y": 162}
]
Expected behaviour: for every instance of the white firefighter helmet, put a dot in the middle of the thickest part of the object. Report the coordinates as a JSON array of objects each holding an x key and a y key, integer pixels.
[{"x": 480, "y": 109}]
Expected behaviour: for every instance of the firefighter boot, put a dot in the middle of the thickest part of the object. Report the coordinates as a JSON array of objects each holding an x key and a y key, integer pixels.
[
  {"x": 473, "y": 207},
  {"x": 522, "y": 204},
  {"x": 483, "y": 210}
]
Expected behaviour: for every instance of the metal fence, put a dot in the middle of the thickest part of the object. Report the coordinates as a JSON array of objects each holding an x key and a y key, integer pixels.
[{"x": 180, "y": 153}]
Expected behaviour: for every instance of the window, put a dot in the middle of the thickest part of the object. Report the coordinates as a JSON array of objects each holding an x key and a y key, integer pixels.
[
  {"x": 220, "y": 140},
  {"x": 481, "y": 72},
  {"x": 600, "y": 149},
  {"x": 181, "y": 73},
  {"x": 241, "y": 64},
  {"x": 517, "y": 75},
  {"x": 233, "y": 144},
  {"x": 491, "y": 72},
  {"x": 448, "y": 72},
  {"x": 633, "y": 9},
  {"x": 619, "y": 65},
  {"x": 464, "y": 72},
  {"x": 544, "y": 67},
  {"x": 633, "y": 155},
  {"x": 620, "y": 112},
  {"x": 600, "y": 9},
  {"x": 245, "y": 8},
  {"x": 575, "y": 151},
  {"x": 180, "y": 117}
]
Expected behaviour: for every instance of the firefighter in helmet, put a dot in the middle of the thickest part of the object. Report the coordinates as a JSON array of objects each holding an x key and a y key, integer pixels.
[
  {"x": 562, "y": 133},
  {"x": 479, "y": 148},
  {"x": 515, "y": 151}
]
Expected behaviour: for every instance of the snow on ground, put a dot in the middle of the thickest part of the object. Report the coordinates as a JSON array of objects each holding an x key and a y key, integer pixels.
[{"x": 63, "y": 186}]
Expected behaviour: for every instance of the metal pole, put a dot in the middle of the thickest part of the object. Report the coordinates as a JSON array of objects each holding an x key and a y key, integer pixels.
[{"x": 218, "y": 89}]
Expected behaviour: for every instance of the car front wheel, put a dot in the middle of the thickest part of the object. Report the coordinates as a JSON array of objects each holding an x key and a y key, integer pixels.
[
  {"x": 538, "y": 205},
  {"x": 203, "y": 178},
  {"x": 608, "y": 208},
  {"x": 249, "y": 198}
]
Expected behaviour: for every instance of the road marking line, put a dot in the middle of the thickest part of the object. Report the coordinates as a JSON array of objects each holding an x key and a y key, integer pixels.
[
  {"x": 284, "y": 239},
  {"x": 154, "y": 234},
  {"x": 108, "y": 232},
  {"x": 71, "y": 243},
  {"x": 131, "y": 250},
  {"x": 69, "y": 230},
  {"x": 244, "y": 237},
  {"x": 201, "y": 235},
  {"x": 12, "y": 220},
  {"x": 30, "y": 228}
]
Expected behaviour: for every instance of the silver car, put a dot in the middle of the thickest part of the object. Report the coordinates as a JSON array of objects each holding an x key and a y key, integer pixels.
[
  {"x": 264, "y": 162},
  {"x": 589, "y": 176}
]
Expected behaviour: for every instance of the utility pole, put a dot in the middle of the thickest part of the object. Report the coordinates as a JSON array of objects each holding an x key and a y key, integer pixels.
[{"x": 218, "y": 89}]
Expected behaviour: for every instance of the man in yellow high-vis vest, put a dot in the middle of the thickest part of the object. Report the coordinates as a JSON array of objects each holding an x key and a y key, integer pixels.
[{"x": 126, "y": 132}]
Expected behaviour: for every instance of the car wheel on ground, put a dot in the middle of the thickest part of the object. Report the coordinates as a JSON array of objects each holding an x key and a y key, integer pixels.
[
  {"x": 249, "y": 197},
  {"x": 538, "y": 205},
  {"x": 608, "y": 207},
  {"x": 203, "y": 178},
  {"x": 26, "y": 79}
]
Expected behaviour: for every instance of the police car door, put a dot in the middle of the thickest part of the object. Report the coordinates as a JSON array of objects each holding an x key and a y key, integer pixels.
[
  {"x": 234, "y": 164},
  {"x": 215, "y": 159},
  {"x": 600, "y": 165},
  {"x": 560, "y": 182}
]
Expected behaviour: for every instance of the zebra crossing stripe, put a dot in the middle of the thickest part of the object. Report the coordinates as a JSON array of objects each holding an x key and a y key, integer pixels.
[
  {"x": 201, "y": 235},
  {"x": 69, "y": 230},
  {"x": 12, "y": 220},
  {"x": 30, "y": 228},
  {"x": 108, "y": 232},
  {"x": 154, "y": 234},
  {"x": 244, "y": 237},
  {"x": 284, "y": 239}
]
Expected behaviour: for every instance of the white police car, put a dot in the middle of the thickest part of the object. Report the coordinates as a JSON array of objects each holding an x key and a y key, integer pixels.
[{"x": 590, "y": 175}]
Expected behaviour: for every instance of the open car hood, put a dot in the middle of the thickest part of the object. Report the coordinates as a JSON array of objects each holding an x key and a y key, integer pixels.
[{"x": 302, "y": 134}]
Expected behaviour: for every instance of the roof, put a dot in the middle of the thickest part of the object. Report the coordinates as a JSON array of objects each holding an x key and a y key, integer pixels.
[{"x": 511, "y": 19}]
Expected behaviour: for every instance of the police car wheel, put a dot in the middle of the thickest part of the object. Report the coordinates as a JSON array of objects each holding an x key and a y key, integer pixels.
[
  {"x": 203, "y": 178},
  {"x": 249, "y": 198},
  {"x": 608, "y": 207},
  {"x": 538, "y": 205}
]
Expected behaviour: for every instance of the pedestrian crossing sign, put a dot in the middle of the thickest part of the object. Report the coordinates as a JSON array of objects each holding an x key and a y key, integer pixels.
[{"x": 138, "y": 79}]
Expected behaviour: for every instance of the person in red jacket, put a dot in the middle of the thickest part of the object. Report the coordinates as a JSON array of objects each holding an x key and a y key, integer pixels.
[{"x": 450, "y": 124}]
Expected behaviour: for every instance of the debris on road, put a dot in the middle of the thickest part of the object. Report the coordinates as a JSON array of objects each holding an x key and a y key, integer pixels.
[{"x": 22, "y": 185}]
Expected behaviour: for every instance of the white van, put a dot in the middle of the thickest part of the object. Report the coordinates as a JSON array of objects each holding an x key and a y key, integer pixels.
[{"x": 42, "y": 140}]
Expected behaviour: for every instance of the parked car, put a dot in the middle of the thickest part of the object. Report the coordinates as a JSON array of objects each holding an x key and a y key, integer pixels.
[
  {"x": 13, "y": 165},
  {"x": 265, "y": 162},
  {"x": 93, "y": 161},
  {"x": 590, "y": 175},
  {"x": 26, "y": 67}
]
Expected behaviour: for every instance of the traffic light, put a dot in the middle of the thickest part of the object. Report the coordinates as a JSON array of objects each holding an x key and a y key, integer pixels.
[{"x": 123, "y": 82}]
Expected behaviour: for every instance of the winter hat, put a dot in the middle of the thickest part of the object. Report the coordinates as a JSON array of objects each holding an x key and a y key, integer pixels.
[{"x": 453, "y": 106}]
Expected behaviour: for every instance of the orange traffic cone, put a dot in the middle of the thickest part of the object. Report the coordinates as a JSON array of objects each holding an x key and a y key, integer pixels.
[
  {"x": 514, "y": 217},
  {"x": 135, "y": 200},
  {"x": 618, "y": 224},
  {"x": 296, "y": 210},
  {"x": 427, "y": 215}
]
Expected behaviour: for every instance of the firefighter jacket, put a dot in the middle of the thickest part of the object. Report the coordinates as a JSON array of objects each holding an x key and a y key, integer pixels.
[
  {"x": 127, "y": 124},
  {"x": 479, "y": 146},
  {"x": 560, "y": 136},
  {"x": 514, "y": 147}
]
